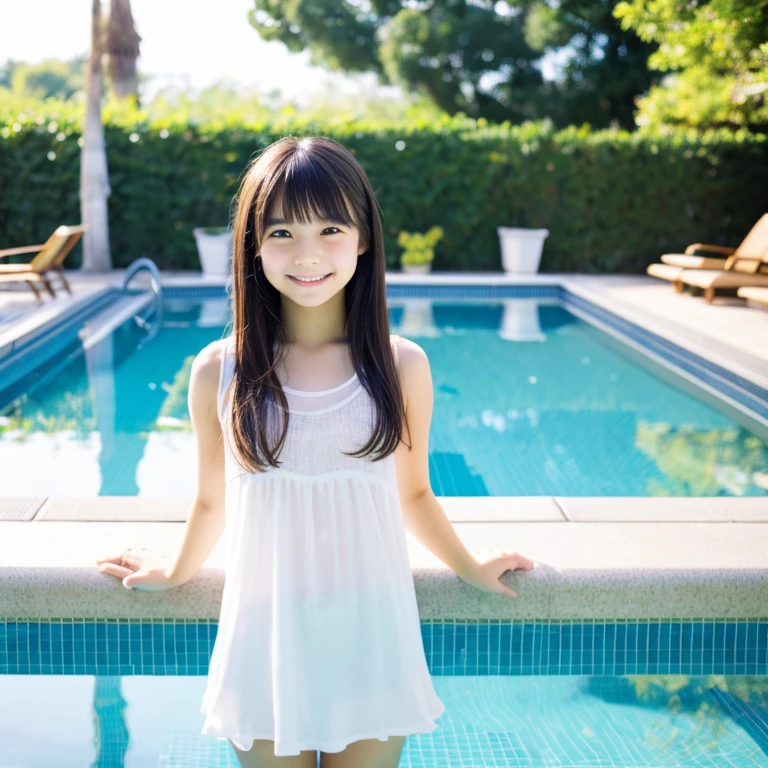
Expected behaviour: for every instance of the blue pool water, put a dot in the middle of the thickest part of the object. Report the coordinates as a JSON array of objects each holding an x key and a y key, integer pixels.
[
  {"x": 491, "y": 722},
  {"x": 534, "y": 695},
  {"x": 529, "y": 400}
]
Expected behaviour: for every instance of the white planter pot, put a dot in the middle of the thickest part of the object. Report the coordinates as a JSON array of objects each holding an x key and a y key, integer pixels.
[
  {"x": 521, "y": 248},
  {"x": 417, "y": 269},
  {"x": 214, "y": 251}
]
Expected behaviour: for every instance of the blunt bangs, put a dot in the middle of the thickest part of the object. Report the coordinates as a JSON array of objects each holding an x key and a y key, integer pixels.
[{"x": 307, "y": 190}]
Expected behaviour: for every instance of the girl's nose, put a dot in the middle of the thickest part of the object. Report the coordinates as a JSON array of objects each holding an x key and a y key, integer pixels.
[{"x": 305, "y": 260}]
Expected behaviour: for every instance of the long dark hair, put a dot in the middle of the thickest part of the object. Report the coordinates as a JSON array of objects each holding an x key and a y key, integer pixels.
[{"x": 313, "y": 177}]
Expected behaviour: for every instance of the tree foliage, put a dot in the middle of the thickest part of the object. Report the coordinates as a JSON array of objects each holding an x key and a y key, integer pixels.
[
  {"x": 482, "y": 58},
  {"x": 48, "y": 78},
  {"x": 717, "y": 55},
  {"x": 605, "y": 69}
]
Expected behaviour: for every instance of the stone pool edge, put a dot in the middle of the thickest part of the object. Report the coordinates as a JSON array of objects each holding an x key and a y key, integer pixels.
[{"x": 586, "y": 569}]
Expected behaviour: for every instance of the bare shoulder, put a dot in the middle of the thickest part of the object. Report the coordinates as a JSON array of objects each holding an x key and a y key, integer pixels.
[
  {"x": 204, "y": 375},
  {"x": 208, "y": 360},
  {"x": 413, "y": 365},
  {"x": 409, "y": 353}
]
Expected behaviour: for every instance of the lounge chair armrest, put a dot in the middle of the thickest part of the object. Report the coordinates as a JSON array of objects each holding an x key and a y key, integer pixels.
[
  {"x": 24, "y": 249},
  {"x": 701, "y": 249}
]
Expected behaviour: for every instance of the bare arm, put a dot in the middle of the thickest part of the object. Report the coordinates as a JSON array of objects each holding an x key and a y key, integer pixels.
[
  {"x": 205, "y": 521},
  {"x": 422, "y": 514}
]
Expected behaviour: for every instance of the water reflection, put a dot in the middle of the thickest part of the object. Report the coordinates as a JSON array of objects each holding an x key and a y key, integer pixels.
[{"x": 520, "y": 321}]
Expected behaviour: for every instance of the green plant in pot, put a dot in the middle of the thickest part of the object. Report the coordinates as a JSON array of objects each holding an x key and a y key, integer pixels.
[{"x": 419, "y": 249}]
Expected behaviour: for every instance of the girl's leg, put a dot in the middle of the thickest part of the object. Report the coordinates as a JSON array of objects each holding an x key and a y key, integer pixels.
[
  {"x": 262, "y": 755},
  {"x": 370, "y": 753}
]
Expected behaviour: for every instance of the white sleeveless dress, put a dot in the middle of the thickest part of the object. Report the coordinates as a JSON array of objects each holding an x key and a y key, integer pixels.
[{"x": 319, "y": 639}]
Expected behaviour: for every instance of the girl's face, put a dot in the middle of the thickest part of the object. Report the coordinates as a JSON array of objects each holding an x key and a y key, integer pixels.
[{"x": 324, "y": 249}]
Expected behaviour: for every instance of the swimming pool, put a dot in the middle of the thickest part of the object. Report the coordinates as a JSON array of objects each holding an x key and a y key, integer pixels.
[
  {"x": 530, "y": 399},
  {"x": 534, "y": 694}
]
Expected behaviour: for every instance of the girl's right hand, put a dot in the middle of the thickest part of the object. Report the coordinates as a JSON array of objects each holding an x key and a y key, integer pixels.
[{"x": 138, "y": 569}]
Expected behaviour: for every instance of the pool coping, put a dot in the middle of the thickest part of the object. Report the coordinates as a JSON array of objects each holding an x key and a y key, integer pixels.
[{"x": 584, "y": 571}]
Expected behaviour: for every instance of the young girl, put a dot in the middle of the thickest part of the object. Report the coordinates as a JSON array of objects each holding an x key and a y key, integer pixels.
[{"x": 299, "y": 417}]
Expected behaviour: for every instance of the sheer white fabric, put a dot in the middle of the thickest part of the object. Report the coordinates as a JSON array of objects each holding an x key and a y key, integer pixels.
[{"x": 319, "y": 640}]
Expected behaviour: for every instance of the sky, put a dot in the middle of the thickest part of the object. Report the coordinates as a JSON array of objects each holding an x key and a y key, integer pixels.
[{"x": 190, "y": 44}]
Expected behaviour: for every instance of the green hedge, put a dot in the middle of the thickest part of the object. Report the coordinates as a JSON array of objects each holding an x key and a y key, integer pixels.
[{"x": 613, "y": 201}]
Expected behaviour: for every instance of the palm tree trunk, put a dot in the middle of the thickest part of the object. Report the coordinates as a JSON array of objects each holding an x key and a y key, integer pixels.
[{"x": 94, "y": 179}]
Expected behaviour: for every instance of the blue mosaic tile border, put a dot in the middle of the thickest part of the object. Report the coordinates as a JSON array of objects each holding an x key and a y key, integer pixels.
[
  {"x": 452, "y": 647},
  {"x": 400, "y": 291},
  {"x": 489, "y": 292},
  {"x": 194, "y": 292}
]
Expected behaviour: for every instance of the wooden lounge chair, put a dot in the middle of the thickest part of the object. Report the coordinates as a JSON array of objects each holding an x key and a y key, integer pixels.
[
  {"x": 701, "y": 256},
  {"x": 49, "y": 259},
  {"x": 754, "y": 294},
  {"x": 737, "y": 272}
]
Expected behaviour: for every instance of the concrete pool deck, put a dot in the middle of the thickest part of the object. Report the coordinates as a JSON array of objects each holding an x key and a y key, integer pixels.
[{"x": 596, "y": 558}]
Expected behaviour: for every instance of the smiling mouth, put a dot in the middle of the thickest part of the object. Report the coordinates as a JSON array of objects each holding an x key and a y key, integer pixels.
[{"x": 309, "y": 281}]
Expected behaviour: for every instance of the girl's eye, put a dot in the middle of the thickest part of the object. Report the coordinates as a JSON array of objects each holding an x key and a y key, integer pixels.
[{"x": 325, "y": 230}]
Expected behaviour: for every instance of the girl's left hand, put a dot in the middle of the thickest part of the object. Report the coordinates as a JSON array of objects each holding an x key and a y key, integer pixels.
[{"x": 486, "y": 576}]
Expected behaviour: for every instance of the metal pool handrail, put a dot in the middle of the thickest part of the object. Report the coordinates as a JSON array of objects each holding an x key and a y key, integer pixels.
[
  {"x": 133, "y": 269},
  {"x": 143, "y": 263}
]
